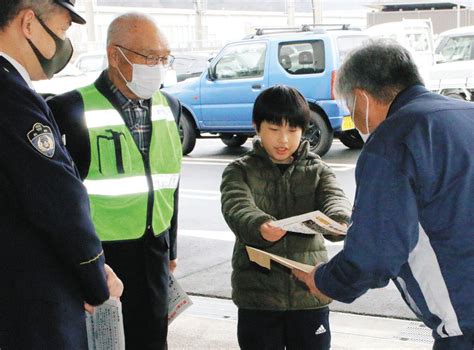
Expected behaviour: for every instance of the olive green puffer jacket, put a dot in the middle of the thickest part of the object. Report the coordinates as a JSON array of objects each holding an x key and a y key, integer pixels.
[{"x": 255, "y": 191}]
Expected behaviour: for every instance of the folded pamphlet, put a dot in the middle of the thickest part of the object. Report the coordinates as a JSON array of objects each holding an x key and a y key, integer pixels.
[
  {"x": 178, "y": 299},
  {"x": 264, "y": 259},
  {"x": 105, "y": 327},
  {"x": 312, "y": 223}
]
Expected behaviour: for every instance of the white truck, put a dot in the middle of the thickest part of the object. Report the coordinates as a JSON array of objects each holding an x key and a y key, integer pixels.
[
  {"x": 416, "y": 35},
  {"x": 453, "y": 73}
]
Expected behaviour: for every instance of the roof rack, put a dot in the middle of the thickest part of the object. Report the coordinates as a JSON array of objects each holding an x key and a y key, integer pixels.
[
  {"x": 276, "y": 30},
  {"x": 335, "y": 26},
  {"x": 302, "y": 28}
]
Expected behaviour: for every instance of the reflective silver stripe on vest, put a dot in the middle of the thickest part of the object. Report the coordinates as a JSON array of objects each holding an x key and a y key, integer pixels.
[
  {"x": 130, "y": 185},
  {"x": 103, "y": 118},
  {"x": 110, "y": 117}
]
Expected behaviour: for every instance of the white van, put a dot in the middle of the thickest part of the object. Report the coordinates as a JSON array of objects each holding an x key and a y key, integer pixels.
[
  {"x": 453, "y": 73},
  {"x": 414, "y": 34}
]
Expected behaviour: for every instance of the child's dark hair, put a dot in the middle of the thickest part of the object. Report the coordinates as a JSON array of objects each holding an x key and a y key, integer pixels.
[{"x": 280, "y": 104}]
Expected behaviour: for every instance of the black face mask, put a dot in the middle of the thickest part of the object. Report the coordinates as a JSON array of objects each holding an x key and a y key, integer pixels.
[{"x": 60, "y": 58}]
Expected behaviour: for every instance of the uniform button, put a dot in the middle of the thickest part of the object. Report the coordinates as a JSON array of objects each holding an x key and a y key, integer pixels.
[{"x": 148, "y": 227}]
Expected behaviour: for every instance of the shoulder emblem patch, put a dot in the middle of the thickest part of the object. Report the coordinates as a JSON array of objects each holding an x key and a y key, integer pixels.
[{"x": 42, "y": 139}]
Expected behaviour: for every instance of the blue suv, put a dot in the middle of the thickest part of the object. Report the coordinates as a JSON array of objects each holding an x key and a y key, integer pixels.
[{"x": 220, "y": 101}]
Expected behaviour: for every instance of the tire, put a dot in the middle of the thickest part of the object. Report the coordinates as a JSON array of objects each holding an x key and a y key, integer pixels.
[
  {"x": 319, "y": 134},
  {"x": 232, "y": 140},
  {"x": 187, "y": 132},
  {"x": 351, "y": 139}
]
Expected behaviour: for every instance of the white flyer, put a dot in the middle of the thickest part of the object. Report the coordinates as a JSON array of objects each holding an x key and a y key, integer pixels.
[
  {"x": 178, "y": 299},
  {"x": 105, "y": 327},
  {"x": 312, "y": 223}
]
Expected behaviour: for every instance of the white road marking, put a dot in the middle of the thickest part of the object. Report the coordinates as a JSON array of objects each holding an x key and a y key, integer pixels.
[
  {"x": 201, "y": 191},
  {"x": 200, "y": 194},
  {"x": 225, "y": 236},
  {"x": 208, "y": 160},
  {"x": 222, "y": 162}
]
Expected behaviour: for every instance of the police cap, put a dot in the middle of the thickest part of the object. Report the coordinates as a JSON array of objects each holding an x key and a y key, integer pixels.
[{"x": 69, "y": 5}]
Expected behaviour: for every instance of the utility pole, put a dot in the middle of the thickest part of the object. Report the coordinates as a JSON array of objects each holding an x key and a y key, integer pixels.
[
  {"x": 200, "y": 7},
  {"x": 458, "y": 16},
  {"x": 89, "y": 9},
  {"x": 317, "y": 11},
  {"x": 290, "y": 12}
]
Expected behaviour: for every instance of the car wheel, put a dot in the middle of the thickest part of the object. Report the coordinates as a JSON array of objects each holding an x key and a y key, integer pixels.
[
  {"x": 187, "y": 133},
  {"x": 232, "y": 140},
  {"x": 351, "y": 139},
  {"x": 318, "y": 134}
]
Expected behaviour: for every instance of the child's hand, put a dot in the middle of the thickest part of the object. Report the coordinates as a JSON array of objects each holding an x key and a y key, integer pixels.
[{"x": 271, "y": 233}]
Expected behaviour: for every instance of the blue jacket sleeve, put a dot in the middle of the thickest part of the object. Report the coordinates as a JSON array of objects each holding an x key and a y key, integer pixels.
[{"x": 384, "y": 231}]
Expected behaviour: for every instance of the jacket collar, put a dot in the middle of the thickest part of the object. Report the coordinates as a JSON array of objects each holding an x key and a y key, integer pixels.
[
  {"x": 405, "y": 96},
  {"x": 301, "y": 153},
  {"x": 11, "y": 65}
]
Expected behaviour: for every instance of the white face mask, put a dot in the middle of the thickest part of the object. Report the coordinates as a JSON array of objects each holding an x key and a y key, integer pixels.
[
  {"x": 364, "y": 136},
  {"x": 146, "y": 80}
]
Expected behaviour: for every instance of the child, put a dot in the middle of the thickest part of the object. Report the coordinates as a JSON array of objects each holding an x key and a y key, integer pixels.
[{"x": 279, "y": 178}]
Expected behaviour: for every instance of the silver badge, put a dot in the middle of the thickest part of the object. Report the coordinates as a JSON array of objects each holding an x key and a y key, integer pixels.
[{"x": 42, "y": 139}]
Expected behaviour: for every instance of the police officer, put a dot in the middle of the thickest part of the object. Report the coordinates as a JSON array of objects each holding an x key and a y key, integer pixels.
[
  {"x": 51, "y": 261},
  {"x": 122, "y": 133}
]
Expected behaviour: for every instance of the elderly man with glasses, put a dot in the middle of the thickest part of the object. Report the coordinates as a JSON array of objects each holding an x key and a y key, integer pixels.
[{"x": 122, "y": 133}]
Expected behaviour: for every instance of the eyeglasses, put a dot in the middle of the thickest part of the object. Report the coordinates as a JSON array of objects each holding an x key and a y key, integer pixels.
[{"x": 152, "y": 60}]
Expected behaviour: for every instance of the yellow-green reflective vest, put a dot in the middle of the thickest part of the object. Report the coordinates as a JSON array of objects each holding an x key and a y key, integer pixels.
[{"x": 118, "y": 183}]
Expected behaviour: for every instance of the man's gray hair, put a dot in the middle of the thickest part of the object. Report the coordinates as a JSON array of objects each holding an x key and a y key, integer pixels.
[
  {"x": 381, "y": 67},
  {"x": 11, "y": 8}
]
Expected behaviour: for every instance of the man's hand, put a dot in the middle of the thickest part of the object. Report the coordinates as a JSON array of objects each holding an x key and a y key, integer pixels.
[
  {"x": 173, "y": 264},
  {"x": 271, "y": 233},
  {"x": 115, "y": 287},
  {"x": 113, "y": 282},
  {"x": 308, "y": 279},
  {"x": 89, "y": 308}
]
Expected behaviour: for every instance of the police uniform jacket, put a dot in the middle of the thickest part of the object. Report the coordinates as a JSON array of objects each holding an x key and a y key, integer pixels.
[{"x": 51, "y": 260}]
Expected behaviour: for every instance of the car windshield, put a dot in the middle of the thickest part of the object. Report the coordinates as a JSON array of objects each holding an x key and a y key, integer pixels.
[
  {"x": 459, "y": 48},
  {"x": 190, "y": 63}
]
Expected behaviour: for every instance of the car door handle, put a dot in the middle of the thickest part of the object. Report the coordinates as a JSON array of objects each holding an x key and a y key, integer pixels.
[{"x": 256, "y": 86}]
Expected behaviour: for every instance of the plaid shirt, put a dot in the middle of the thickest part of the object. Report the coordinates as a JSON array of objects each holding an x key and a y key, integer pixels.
[{"x": 136, "y": 115}]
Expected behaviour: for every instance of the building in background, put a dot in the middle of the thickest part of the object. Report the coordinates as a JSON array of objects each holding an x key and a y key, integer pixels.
[
  {"x": 444, "y": 15},
  {"x": 195, "y": 25}
]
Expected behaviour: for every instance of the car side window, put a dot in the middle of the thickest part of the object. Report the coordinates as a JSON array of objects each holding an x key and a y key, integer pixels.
[
  {"x": 241, "y": 61},
  {"x": 302, "y": 57}
]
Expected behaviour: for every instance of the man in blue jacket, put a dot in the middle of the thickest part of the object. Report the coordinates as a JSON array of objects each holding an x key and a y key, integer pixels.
[
  {"x": 51, "y": 261},
  {"x": 412, "y": 220}
]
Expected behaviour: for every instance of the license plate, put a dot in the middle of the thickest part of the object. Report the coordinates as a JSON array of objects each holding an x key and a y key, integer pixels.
[{"x": 347, "y": 123}]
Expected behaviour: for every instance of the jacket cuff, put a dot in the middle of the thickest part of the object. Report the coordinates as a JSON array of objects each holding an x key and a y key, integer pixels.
[
  {"x": 257, "y": 238},
  {"x": 94, "y": 282}
]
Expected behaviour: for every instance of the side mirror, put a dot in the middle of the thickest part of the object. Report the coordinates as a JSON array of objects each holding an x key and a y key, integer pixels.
[{"x": 211, "y": 74}]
